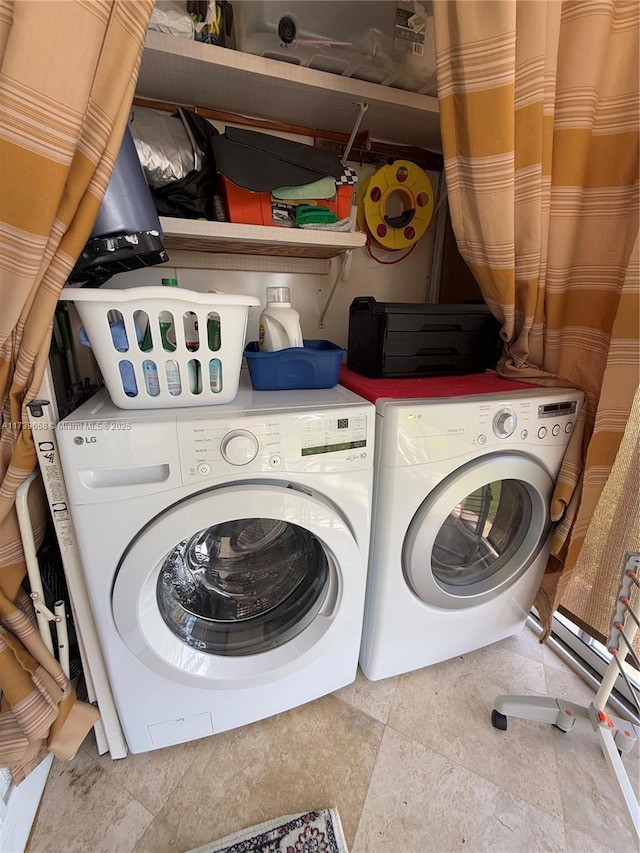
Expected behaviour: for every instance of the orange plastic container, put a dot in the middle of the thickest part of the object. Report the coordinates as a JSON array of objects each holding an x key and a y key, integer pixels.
[{"x": 250, "y": 208}]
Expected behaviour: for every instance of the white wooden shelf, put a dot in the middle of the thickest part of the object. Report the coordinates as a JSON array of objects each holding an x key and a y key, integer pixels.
[
  {"x": 186, "y": 72},
  {"x": 201, "y": 236},
  {"x": 182, "y": 71}
]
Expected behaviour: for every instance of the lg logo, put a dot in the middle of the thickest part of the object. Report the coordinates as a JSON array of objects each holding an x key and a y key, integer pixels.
[{"x": 80, "y": 440}]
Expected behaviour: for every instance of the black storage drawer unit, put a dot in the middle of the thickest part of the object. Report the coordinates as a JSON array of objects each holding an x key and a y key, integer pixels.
[{"x": 404, "y": 339}]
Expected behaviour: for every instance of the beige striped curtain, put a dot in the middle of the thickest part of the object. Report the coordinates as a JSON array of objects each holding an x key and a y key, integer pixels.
[
  {"x": 67, "y": 76},
  {"x": 539, "y": 118}
]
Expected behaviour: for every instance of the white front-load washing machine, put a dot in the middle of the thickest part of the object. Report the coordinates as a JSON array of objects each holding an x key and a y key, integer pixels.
[
  {"x": 460, "y": 523},
  {"x": 225, "y": 553}
]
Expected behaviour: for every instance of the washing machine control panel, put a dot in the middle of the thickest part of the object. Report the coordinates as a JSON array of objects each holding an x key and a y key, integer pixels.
[{"x": 335, "y": 440}]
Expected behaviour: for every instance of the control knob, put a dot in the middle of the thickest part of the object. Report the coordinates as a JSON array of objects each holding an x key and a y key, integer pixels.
[
  {"x": 239, "y": 447},
  {"x": 504, "y": 423}
]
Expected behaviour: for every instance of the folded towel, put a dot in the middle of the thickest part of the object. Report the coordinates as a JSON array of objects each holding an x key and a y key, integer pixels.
[
  {"x": 324, "y": 188},
  {"x": 340, "y": 225}
]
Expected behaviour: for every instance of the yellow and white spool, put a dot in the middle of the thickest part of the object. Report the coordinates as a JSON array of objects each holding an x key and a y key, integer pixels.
[{"x": 402, "y": 182}]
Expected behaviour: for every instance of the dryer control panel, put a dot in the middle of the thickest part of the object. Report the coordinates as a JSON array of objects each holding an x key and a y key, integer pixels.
[
  {"x": 422, "y": 431},
  {"x": 505, "y": 423}
]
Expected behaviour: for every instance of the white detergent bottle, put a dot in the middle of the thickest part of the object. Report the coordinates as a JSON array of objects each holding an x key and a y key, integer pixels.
[{"x": 279, "y": 325}]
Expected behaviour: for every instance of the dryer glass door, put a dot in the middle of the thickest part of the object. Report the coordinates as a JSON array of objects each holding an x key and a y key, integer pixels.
[
  {"x": 478, "y": 531},
  {"x": 482, "y": 532}
]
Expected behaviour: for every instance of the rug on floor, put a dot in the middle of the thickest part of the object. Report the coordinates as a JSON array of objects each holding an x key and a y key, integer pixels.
[{"x": 314, "y": 832}]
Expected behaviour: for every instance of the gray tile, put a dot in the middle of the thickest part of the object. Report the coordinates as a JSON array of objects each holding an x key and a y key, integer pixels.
[
  {"x": 552, "y": 660},
  {"x": 316, "y": 756},
  {"x": 372, "y": 697},
  {"x": 567, "y": 684},
  {"x": 591, "y": 801},
  {"x": 590, "y": 798},
  {"x": 447, "y": 708},
  {"x": 525, "y": 643},
  {"x": 420, "y": 802},
  {"x": 82, "y": 809},
  {"x": 564, "y": 683},
  {"x": 580, "y": 842},
  {"x": 447, "y": 775},
  {"x": 149, "y": 776}
]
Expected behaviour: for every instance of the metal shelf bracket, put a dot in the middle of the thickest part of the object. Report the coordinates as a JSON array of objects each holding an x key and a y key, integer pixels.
[{"x": 362, "y": 108}]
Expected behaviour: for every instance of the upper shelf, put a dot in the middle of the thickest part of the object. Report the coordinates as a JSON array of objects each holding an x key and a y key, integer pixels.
[
  {"x": 191, "y": 73},
  {"x": 200, "y": 236}
]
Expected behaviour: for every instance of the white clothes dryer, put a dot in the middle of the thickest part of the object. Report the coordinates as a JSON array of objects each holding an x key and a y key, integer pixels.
[
  {"x": 225, "y": 553},
  {"x": 461, "y": 522}
]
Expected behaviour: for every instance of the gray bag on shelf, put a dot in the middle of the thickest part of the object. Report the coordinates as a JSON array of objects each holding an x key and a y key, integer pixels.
[
  {"x": 178, "y": 161},
  {"x": 165, "y": 145}
]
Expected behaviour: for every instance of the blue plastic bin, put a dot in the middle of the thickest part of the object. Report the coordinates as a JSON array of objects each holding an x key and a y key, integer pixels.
[{"x": 316, "y": 365}]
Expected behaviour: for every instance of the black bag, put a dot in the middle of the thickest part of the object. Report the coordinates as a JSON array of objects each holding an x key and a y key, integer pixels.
[
  {"x": 194, "y": 196},
  {"x": 260, "y": 162}
]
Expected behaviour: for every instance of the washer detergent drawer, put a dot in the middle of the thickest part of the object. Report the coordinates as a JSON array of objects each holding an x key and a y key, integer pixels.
[
  {"x": 234, "y": 584},
  {"x": 143, "y": 456}
]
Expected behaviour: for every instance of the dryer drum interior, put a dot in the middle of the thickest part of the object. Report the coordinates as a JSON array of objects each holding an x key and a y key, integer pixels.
[
  {"x": 482, "y": 532},
  {"x": 243, "y": 586},
  {"x": 478, "y": 530}
]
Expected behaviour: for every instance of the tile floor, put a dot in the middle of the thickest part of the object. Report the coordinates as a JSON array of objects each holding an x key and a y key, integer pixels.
[{"x": 412, "y": 763}]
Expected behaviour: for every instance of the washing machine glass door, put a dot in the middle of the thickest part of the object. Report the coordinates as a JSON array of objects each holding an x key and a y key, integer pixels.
[
  {"x": 243, "y": 586},
  {"x": 235, "y": 582},
  {"x": 478, "y": 531}
]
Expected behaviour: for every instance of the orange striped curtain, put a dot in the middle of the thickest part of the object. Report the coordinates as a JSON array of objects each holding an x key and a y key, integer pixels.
[
  {"x": 539, "y": 119},
  {"x": 67, "y": 76}
]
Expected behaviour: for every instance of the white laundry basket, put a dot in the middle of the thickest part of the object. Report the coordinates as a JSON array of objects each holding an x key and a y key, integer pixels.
[{"x": 160, "y": 347}]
